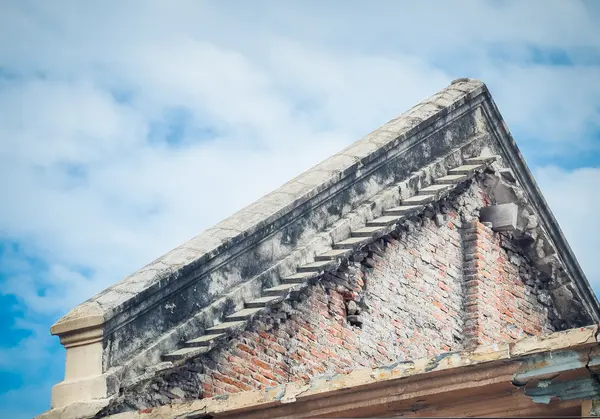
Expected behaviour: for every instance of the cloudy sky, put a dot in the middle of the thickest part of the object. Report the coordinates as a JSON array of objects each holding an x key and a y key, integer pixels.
[{"x": 129, "y": 127}]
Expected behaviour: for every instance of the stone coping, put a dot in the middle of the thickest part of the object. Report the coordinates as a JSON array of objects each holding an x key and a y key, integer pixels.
[{"x": 261, "y": 214}]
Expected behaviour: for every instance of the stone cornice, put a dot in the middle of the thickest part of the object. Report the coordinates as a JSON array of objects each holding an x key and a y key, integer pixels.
[{"x": 216, "y": 246}]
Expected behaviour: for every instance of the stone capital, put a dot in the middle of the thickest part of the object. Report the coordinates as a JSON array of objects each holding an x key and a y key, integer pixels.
[
  {"x": 81, "y": 332},
  {"x": 85, "y": 316}
]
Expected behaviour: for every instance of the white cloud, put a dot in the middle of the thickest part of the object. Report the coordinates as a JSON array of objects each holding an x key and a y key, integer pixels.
[
  {"x": 572, "y": 198},
  {"x": 557, "y": 106}
]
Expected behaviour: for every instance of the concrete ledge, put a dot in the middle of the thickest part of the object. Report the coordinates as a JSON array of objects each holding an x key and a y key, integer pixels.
[
  {"x": 80, "y": 390},
  {"x": 86, "y": 315},
  {"x": 80, "y": 410}
]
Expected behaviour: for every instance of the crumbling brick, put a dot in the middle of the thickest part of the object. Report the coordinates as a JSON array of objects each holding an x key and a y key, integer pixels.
[
  {"x": 428, "y": 287},
  {"x": 500, "y": 305}
]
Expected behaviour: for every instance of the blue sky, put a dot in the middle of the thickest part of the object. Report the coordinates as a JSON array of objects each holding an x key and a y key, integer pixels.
[{"x": 126, "y": 129}]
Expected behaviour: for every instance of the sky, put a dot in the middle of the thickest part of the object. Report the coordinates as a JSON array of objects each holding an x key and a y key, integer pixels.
[{"x": 127, "y": 128}]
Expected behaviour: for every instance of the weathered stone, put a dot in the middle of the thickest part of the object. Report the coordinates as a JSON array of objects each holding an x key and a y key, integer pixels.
[
  {"x": 415, "y": 288},
  {"x": 418, "y": 200},
  {"x": 508, "y": 175},
  {"x": 465, "y": 169},
  {"x": 502, "y": 217},
  {"x": 352, "y": 307},
  {"x": 439, "y": 220}
]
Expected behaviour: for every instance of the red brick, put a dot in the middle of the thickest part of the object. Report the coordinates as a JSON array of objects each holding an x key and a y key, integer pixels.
[
  {"x": 266, "y": 335},
  {"x": 260, "y": 363},
  {"x": 483, "y": 299},
  {"x": 245, "y": 348}
]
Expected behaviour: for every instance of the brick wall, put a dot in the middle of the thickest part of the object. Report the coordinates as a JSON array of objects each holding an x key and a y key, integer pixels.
[
  {"x": 439, "y": 285},
  {"x": 411, "y": 306},
  {"x": 436, "y": 288},
  {"x": 501, "y": 304}
]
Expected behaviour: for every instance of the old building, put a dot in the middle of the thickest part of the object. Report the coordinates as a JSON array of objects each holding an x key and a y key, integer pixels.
[{"x": 418, "y": 272}]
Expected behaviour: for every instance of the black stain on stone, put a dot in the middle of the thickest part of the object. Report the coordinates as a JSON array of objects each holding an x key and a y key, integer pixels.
[{"x": 435, "y": 361}]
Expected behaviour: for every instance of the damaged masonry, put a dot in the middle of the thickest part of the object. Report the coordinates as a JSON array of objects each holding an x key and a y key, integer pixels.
[
  {"x": 364, "y": 287},
  {"x": 536, "y": 376}
]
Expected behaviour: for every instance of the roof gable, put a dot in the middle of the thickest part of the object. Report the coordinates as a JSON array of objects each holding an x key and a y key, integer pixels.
[
  {"x": 286, "y": 238},
  {"x": 439, "y": 280}
]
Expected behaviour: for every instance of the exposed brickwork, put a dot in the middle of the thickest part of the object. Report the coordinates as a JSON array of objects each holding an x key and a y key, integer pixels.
[
  {"x": 501, "y": 304},
  {"x": 439, "y": 284},
  {"x": 411, "y": 304}
]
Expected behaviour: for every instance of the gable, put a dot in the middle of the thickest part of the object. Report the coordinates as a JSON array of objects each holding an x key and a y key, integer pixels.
[
  {"x": 437, "y": 281},
  {"x": 388, "y": 189}
]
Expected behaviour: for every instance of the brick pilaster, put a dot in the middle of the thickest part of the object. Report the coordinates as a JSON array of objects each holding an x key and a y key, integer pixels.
[
  {"x": 499, "y": 305},
  {"x": 476, "y": 247}
]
